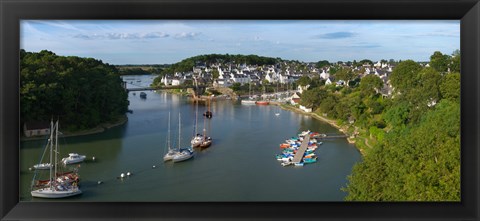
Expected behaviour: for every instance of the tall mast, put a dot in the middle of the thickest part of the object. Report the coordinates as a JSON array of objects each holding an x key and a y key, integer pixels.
[
  {"x": 179, "y": 130},
  {"x": 196, "y": 116},
  {"x": 56, "y": 149},
  {"x": 204, "y": 131},
  {"x": 168, "y": 140},
  {"x": 51, "y": 152}
]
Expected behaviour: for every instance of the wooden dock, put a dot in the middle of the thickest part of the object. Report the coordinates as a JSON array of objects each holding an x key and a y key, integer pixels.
[{"x": 301, "y": 150}]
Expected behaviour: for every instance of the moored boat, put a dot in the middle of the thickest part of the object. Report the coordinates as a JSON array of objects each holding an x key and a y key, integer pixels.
[
  {"x": 58, "y": 185},
  {"x": 73, "y": 158},
  {"x": 262, "y": 102},
  {"x": 170, "y": 151},
  {"x": 183, "y": 153},
  {"x": 42, "y": 166}
]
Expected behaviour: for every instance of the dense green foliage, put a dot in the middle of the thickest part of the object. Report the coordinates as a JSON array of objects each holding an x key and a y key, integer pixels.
[
  {"x": 82, "y": 92},
  {"x": 418, "y": 163},
  {"x": 415, "y": 133}
]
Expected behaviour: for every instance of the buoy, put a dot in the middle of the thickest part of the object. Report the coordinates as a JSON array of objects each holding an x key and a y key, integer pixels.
[
  {"x": 122, "y": 175},
  {"x": 99, "y": 182},
  {"x": 153, "y": 166},
  {"x": 93, "y": 158},
  {"x": 30, "y": 168},
  {"x": 128, "y": 174}
]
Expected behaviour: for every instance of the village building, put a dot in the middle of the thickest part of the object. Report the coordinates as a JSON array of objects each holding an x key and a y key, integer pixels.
[{"x": 36, "y": 128}]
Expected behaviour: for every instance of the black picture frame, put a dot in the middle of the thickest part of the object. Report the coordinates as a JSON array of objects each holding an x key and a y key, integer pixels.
[{"x": 12, "y": 11}]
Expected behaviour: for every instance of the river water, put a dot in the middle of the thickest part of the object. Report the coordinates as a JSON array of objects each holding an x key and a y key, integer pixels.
[{"x": 239, "y": 166}]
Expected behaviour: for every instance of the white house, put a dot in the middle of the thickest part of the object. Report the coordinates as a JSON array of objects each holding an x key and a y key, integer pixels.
[
  {"x": 294, "y": 99},
  {"x": 269, "y": 77},
  {"x": 300, "y": 88},
  {"x": 239, "y": 78},
  {"x": 36, "y": 129},
  {"x": 324, "y": 74},
  {"x": 166, "y": 80},
  {"x": 329, "y": 81},
  {"x": 177, "y": 81},
  {"x": 221, "y": 83},
  {"x": 305, "y": 109}
]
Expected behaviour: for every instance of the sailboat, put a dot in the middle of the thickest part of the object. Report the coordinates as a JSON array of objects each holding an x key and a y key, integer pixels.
[
  {"x": 197, "y": 138},
  {"x": 59, "y": 185},
  {"x": 208, "y": 114},
  {"x": 277, "y": 113},
  {"x": 250, "y": 98},
  {"x": 183, "y": 153},
  {"x": 171, "y": 152},
  {"x": 207, "y": 141}
]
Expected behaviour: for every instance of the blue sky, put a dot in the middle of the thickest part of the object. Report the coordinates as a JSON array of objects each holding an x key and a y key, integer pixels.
[{"x": 169, "y": 41}]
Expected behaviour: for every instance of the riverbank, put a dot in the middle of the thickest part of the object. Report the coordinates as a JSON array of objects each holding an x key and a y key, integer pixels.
[
  {"x": 99, "y": 129},
  {"x": 353, "y": 138}
]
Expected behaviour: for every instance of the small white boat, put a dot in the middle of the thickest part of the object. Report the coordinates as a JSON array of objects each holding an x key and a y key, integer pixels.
[
  {"x": 286, "y": 164},
  {"x": 73, "y": 158},
  {"x": 248, "y": 101},
  {"x": 42, "y": 166},
  {"x": 298, "y": 164},
  {"x": 277, "y": 114}
]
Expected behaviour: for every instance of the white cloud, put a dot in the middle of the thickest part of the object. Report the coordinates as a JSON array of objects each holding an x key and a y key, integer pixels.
[
  {"x": 187, "y": 35},
  {"x": 116, "y": 36}
]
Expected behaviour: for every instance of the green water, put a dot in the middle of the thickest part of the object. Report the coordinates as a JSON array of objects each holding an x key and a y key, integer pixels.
[{"x": 239, "y": 166}]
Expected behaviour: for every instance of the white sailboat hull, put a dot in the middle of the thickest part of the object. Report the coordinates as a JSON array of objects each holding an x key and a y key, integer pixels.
[
  {"x": 183, "y": 155},
  {"x": 52, "y": 194},
  {"x": 196, "y": 141},
  {"x": 248, "y": 102},
  {"x": 43, "y": 166},
  {"x": 169, "y": 155}
]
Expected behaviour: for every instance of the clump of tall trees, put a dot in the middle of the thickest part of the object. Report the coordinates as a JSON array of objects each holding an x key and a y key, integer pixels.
[
  {"x": 81, "y": 92},
  {"x": 416, "y": 153}
]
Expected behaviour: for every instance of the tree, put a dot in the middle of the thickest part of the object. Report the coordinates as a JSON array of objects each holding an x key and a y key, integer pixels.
[
  {"x": 455, "y": 61},
  {"x": 82, "y": 92},
  {"x": 439, "y": 61},
  {"x": 312, "y": 98},
  {"x": 322, "y": 63},
  {"x": 370, "y": 84},
  {"x": 421, "y": 163},
  {"x": 366, "y": 61},
  {"x": 450, "y": 87},
  {"x": 304, "y": 81},
  {"x": 345, "y": 74},
  {"x": 405, "y": 76},
  {"x": 215, "y": 74}
]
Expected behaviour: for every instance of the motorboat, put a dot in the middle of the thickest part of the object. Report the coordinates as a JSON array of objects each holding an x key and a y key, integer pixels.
[{"x": 73, "y": 158}]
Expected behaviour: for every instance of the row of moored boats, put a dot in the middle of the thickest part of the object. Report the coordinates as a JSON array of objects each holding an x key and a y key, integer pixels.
[
  {"x": 292, "y": 145},
  {"x": 180, "y": 153}
]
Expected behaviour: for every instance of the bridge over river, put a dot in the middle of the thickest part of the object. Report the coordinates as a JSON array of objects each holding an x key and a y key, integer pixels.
[{"x": 201, "y": 88}]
